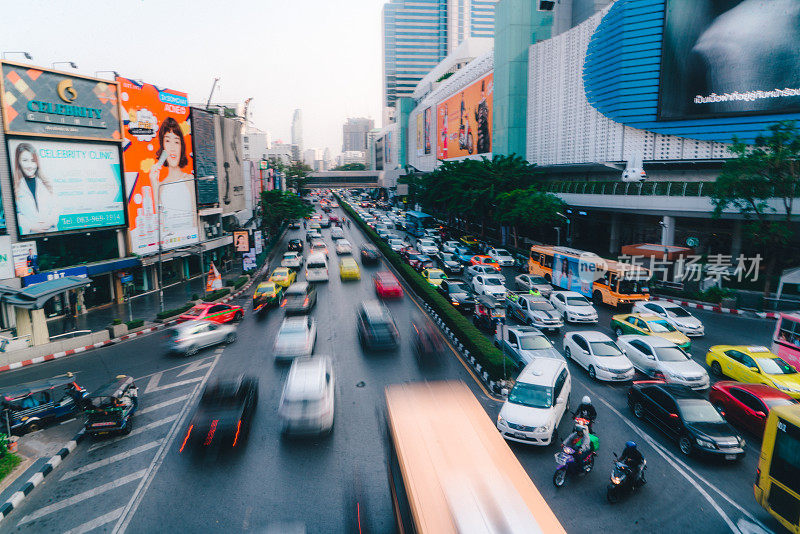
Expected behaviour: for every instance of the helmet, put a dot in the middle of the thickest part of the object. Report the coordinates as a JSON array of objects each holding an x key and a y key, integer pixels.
[
  {"x": 586, "y": 400},
  {"x": 630, "y": 445},
  {"x": 580, "y": 427}
]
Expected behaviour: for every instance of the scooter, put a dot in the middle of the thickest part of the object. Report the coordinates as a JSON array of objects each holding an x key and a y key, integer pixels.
[
  {"x": 568, "y": 465},
  {"x": 623, "y": 481}
]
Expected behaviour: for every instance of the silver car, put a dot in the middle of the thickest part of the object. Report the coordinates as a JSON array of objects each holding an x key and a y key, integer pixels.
[
  {"x": 526, "y": 282},
  {"x": 296, "y": 338},
  {"x": 189, "y": 337}
]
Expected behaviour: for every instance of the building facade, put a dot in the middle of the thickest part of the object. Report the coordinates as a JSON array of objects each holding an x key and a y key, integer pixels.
[
  {"x": 354, "y": 134},
  {"x": 297, "y": 132}
]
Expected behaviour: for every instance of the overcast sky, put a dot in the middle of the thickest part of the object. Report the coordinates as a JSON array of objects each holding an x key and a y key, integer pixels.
[{"x": 320, "y": 56}]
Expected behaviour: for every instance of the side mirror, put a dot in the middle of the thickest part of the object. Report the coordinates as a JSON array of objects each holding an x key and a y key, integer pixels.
[
  {"x": 755, "y": 370},
  {"x": 651, "y": 357},
  {"x": 761, "y": 415},
  {"x": 512, "y": 345}
]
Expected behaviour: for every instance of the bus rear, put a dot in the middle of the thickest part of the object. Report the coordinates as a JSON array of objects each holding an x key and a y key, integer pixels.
[
  {"x": 777, "y": 486},
  {"x": 786, "y": 340}
]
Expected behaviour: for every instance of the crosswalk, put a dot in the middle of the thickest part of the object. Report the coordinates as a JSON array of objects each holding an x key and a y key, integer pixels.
[{"x": 101, "y": 484}]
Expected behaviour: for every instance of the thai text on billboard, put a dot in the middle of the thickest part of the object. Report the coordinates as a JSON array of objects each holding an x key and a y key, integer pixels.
[{"x": 464, "y": 121}]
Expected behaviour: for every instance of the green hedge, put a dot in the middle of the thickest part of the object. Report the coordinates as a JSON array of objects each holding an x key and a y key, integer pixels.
[
  {"x": 136, "y": 323},
  {"x": 489, "y": 357},
  {"x": 239, "y": 282},
  {"x": 218, "y": 294},
  {"x": 175, "y": 311}
]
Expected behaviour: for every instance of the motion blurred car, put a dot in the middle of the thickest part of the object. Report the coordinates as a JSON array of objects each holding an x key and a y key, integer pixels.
[
  {"x": 747, "y": 405},
  {"x": 491, "y": 285},
  {"x": 293, "y": 260},
  {"x": 299, "y": 298},
  {"x": 216, "y": 313},
  {"x": 317, "y": 268},
  {"x": 573, "y": 307},
  {"x": 449, "y": 263},
  {"x": 295, "y": 245},
  {"x": 459, "y": 294},
  {"x": 663, "y": 360},
  {"x": 189, "y": 337},
  {"x": 267, "y": 295},
  {"x": 369, "y": 254},
  {"x": 294, "y": 225},
  {"x": 675, "y": 314},
  {"x": 501, "y": 256},
  {"x": 319, "y": 246},
  {"x": 343, "y": 246},
  {"x": 469, "y": 240},
  {"x": 337, "y": 233},
  {"x": 419, "y": 261},
  {"x": 648, "y": 325},
  {"x": 295, "y": 338},
  {"x": 474, "y": 270},
  {"x": 433, "y": 276},
  {"x": 283, "y": 276},
  {"x": 307, "y": 404},
  {"x": 223, "y": 415},
  {"x": 480, "y": 259},
  {"x": 387, "y": 286},
  {"x": 599, "y": 355},
  {"x": 376, "y": 327},
  {"x": 527, "y": 282},
  {"x": 450, "y": 246},
  {"x": 348, "y": 269},
  {"x": 754, "y": 365}
]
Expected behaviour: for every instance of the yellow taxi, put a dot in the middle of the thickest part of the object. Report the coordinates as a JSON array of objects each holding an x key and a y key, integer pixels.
[
  {"x": 267, "y": 295},
  {"x": 283, "y": 276},
  {"x": 434, "y": 276},
  {"x": 469, "y": 240},
  {"x": 754, "y": 365},
  {"x": 348, "y": 269},
  {"x": 649, "y": 325}
]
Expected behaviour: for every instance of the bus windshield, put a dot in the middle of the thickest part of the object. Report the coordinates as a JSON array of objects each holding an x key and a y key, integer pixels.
[{"x": 633, "y": 287}]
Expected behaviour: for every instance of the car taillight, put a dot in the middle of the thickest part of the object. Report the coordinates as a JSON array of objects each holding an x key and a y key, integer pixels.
[
  {"x": 305, "y": 302},
  {"x": 189, "y": 433},
  {"x": 758, "y": 475},
  {"x": 283, "y": 303}
]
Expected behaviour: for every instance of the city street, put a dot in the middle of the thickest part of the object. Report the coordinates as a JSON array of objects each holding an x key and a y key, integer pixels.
[{"x": 140, "y": 483}]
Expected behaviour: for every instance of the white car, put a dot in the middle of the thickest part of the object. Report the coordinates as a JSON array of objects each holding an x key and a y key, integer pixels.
[
  {"x": 574, "y": 307},
  {"x": 663, "y": 359},
  {"x": 319, "y": 246},
  {"x": 307, "y": 404},
  {"x": 396, "y": 244},
  {"x": 676, "y": 315},
  {"x": 343, "y": 246},
  {"x": 450, "y": 246},
  {"x": 599, "y": 355},
  {"x": 293, "y": 260},
  {"x": 295, "y": 338},
  {"x": 501, "y": 256},
  {"x": 474, "y": 270},
  {"x": 337, "y": 233},
  {"x": 491, "y": 285},
  {"x": 427, "y": 247},
  {"x": 536, "y": 403}
]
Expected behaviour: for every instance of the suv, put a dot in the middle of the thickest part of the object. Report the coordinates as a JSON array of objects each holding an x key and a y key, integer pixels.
[
  {"x": 376, "y": 326},
  {"x": 536, "y": 403},
  {"x": 307, "y": 402}
]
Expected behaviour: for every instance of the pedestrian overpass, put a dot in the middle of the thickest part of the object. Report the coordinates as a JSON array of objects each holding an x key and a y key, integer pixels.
[{"x": 344, "y": 179}]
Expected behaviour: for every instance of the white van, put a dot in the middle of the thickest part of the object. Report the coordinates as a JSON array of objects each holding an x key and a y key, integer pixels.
[
  {"x": 317, "y": 268},
  {"x": 307, "y": 402}
]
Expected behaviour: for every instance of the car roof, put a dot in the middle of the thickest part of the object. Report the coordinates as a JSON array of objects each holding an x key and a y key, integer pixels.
[
  {"x": 348, "y": 261},
  {"x": 591, "y": 335},
  {"x": 317, "y": 256},
  {"x": 299, "y": 319},
  {"x": 759, "y": 390},
  {"x": 298, "y": 287},
  {"x": 654, "y": 341},
  {"x": 568, "y": 293},
  {"x": 747, "y": 349},
  {"x": 374, "y": 310},
  {"x": 541, "y": 371},
  {"x": 676, "y": 391},
  {"x": 306, "y": 378}
]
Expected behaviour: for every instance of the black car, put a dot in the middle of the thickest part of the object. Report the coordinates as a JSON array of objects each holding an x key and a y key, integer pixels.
[
  {"x": 686, "y": 416},
  {"x": 295, "y": 245},
  {"x": 459, "y": 294},
  {"x": 369, "y": 254},
  {"x": 223, "y": 416},
  {"x": 376, "y": 327},
  {"x": 420, "y": 262},
  {"x": 449, "y": 263},
  {"x": 300, "y": 297}
]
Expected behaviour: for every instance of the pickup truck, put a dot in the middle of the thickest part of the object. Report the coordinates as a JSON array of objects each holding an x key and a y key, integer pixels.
[
  {"x": 524, "y": 343},
  {"x": 533, "y": 310}
]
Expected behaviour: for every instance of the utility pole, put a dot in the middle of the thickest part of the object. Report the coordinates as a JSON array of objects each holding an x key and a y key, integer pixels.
[{"x": 213, "y": 86}]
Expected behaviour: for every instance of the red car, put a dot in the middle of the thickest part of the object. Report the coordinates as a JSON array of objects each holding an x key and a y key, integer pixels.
[
  {"x": 480, "y": 259},
  {"x": 747, "y": 405},
  {"x": 387, "y": 286},
  {"x": 217, "y": 313}
]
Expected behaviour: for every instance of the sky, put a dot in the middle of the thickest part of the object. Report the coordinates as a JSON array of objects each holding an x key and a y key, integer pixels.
[{"x": 319, "y": 56}]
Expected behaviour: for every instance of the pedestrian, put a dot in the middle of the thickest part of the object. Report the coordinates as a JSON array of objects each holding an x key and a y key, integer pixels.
[
  {"x": 348, "y": 224},
  {"x": 305, "y": 224}
]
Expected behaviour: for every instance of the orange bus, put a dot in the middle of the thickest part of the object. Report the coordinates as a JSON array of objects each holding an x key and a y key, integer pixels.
[
  {"x": 777, "y": 487},
  {"x": 602, "y": 280},
  {"x": 450, "y": 471}
]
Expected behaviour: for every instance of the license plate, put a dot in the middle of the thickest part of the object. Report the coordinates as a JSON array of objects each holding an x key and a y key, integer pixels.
[
  {"x": 519, "y": 435},
  {"x": 730, "y": 456}
]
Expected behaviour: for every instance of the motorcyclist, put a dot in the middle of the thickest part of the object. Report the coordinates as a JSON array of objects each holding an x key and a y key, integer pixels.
[
  {"x": 586, "y": 411},
  {"x": 580, "y": 442},
  {"x": 633, "y": 459},
  {"x": 535, "y": 292}
]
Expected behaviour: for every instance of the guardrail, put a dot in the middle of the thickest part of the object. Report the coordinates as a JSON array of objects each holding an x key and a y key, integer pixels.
[
  {"x": 667, "y": 189},
  {"x": 71, "y": 334}
]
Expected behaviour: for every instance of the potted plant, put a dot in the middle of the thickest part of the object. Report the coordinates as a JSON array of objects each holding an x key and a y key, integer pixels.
[{"x": 117, "y": 328}]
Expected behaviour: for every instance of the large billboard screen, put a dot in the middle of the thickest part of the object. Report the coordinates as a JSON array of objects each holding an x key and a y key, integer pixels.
[
  {"x": 427, "y": 132},
  {"x": 61, "y": 186},
  {"x": 464, "y": 121},
  {"x": 205, "y": 156},
  {"x": 230, "y": 165},
  {"x": 729, "y": 57},
  {"x": 157, "y": 151},
  {"x": 420, "y": 136}
]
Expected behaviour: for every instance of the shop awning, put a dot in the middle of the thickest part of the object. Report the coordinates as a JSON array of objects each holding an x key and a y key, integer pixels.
[{"x": 34, "y": 296}]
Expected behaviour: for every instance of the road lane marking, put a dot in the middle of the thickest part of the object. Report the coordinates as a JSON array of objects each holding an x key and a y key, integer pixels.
[
  {"x": 96, "y": 523},
  {"x": 110, "y": 460},
  {"x": 164, "y": 404},
  {"x": 197, "y": 365},
  {"x": 75, "y": 499},
  {"x": 153, "y": 385},
  {"x": 138, "y": 430}
]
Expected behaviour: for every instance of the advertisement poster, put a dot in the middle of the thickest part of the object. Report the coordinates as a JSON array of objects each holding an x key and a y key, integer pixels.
[
  {"x": 6, "y": 258},
  {"x": 157, "y": 151},
  {"x": 61, "y": 186},
  {"x": 249, "y": 260},
  {"x": 205, "y": 156},
  {"x": 427, "y": 132},
  {"x": 420, "y": 136},
  {"x": 729, "y": 57},
  {"x": 230, "y": 167},
  {"x": 241, "y": 241},
  {"x": 25, "y": 257},
  {"x": 259, "y": 243},
  {"x": 464, "y": 121},
  {"x": 214, "y": 279}
]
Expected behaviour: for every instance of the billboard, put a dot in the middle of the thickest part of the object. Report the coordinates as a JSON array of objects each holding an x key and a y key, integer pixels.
[
  {"x": 427, "y": 133},
  {"x": 6, "y": 258},
  {"x": 157, "y": 151},
  {"x": 420, "y": 136},
  {"x": 230, "y": 165},
  {"x": 464, "y": 121},
  {"x": 205, "y": 156},
  {"x": 729, "y": 57},
  {"x": 47, "y": 103},
  {"x": 62, "y": 185},
  {"x": 25, "y": 257},
  {"x": 241, "y": 241}
]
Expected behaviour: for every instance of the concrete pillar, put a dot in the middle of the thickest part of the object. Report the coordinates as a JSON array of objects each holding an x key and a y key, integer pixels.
[
  {"x": 145, "y": 278},
  {"x": 186, "y": 274},
  {"x": 121, "y": 248},
  {"x": 736, "y": 239},
  {"x": 32, "y": 323},
  {"x": 668, "y": 230},
  {"x": 613, "y": 245}
]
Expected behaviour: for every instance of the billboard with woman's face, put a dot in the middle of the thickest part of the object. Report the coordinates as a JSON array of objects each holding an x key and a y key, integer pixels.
[
  {"x": 159, "y": 167},
  {"x": 464, "y": 121}
]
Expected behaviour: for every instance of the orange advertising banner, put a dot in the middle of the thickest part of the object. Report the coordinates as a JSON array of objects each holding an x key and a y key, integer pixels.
[{"x": 464, "y": 121}]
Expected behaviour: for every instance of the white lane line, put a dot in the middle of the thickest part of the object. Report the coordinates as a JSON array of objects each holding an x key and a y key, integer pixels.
[
  {"x": 75, "y": 499},
  {"x": 138, "y": 430},
  {"x": 97, "y": 522},
  {"x": 164, "y": 404},
  {"x": 111, "y": 459},
  {"x": 153, "y": 385},
  {"x": 196, "y": 366}
]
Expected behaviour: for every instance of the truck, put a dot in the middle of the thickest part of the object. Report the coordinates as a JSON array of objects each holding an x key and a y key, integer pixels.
[
  {"x": 524, "y": 343},
  {"x": 533, "y": 310}
]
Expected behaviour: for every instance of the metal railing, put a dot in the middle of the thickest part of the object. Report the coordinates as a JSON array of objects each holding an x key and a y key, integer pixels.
[
  {"x": 669, "y": 189},
  {"x": 71, "y": 334}
]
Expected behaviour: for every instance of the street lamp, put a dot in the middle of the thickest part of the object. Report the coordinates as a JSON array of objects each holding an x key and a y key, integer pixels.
[
  {"x": 70, "y": 63},
  {"x": 568, "y": 223},
  {"x": 160, "y": 245},
  {"x": 26, "y": 54},
  {"x": 99, "y": 72}
]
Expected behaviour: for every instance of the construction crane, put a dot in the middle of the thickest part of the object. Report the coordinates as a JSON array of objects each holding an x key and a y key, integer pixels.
[{"x": 213, "y": 86}]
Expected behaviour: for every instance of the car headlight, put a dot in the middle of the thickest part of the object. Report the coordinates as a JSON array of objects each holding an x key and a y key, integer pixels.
[
  {"x": 544, "y": 428},
  {"x": 602, "y": 368},
  {"x": 615, "y": 480},
  {"x": 741, "y": 441},
  {"x": 706, "y": 443},
  {"x": 786, "y": 388},
  {"x": 501, "y": 421}
]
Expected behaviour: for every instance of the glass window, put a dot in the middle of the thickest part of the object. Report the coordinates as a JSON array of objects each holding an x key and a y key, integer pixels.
[
  {"x": 735, "y": 355},
  {"x": 512, "y": 338},
  {"x": 605, "y": 348},
  {"x": 699, "y": 411},
  {"x": 748, "y": 400},
  {"x": 641, "y": 347},
  {"x": 677, "y": 311},
  {"x": 785, "y": 467},
  {"x": 660, "y": 327},
  {"x": 577, "y": 301},
  {"x": 581, "y": 342},
  {"x": 534, "y": 343},
  {"x": 531, "y": 395},
  {"x": 775, "y": 366},
  {"x": 661, "y": 399},
  {"x": 671, "y": 354}
]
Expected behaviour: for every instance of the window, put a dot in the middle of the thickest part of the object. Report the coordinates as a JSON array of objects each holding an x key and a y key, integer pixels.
[
  {"x": 748, "y": 400},
  {"x": 653, "y": 307},
  {"x": 735, "y": 355},
  {"x": 790, "y": 331},
  {"x": 660, "y": 399},
  {"x": 512, "y": 338},
  {"x": 632, "y": 320},
  {"x": 581, "y": 342},
  {"x": 547, "y": 261},
  {"x": 560, "y": 381}
]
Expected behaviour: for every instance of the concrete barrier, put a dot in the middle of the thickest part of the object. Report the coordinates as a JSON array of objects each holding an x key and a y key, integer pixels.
[{"x": 62, "y": 345}]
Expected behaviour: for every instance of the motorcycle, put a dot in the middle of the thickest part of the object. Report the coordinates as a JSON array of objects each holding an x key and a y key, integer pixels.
[
  {"x": 568, "y": 465},
  {"x": 623, "y": 481}
]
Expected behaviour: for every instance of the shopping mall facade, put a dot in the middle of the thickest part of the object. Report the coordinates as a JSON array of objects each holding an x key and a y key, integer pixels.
[{"x": 592, "y": 91}]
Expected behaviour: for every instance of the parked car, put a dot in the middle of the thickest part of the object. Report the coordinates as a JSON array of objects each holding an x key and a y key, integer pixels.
[
  {"x": 299, "y": 298},
  {"x": 449, "y": 263},
  {"x": 491, "y": 285},
  {"x": 501, "y": 256},
  {"x": 296, "y": 337},
  {"x": 188, "y": 337},
  {"x": 524, "y": 343},
  {"x": 215, "y": 313},
  {"x": 369, "y": 254},
  {"x": 296, "y": 245},
  {"x": 533, "y": 310},
  {"x": 376, "y": 327},
  {"x": 676, "y": 315},
  {"x": 599, "y": 355},
  {"x": 687, "y": 417},
  {"x": 747, "y": 405},
  {"x": 387, "y": 285},
  {"x": 223, "y": 416},
  {"x": 528, "y": 282},
  {"x": 648, "y": 325},
  {"x": 459, "y": 294},
  {"x": 755, "y": 365},
  {"x": 307, "y": 404},
  {"x": 574, "y": 307},
  {"x": 293, "y": 260},
  {"x": 662, "y": 359}
]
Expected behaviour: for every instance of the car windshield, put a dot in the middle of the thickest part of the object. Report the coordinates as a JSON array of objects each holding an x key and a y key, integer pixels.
[
  {"x": 426, "y": 243},
  {"x": 265, "y": 289},
  {"x": 194, "y": 312},
  {"x": 457, "y": 287},
  {"x": 699, "y": 411},
  {"x": 290, "y": 256},
  {"x": 660, "y": 327},
  {"x": 534, "y": 343},
  {"x": 446, "y": 256},
  {"x": 541, "y": 306},
  {"x": 671, "y": 354},
  {"x": 434, "y": 275},
  {"x": 502, "y": 252},
  {"x": 605, "y": 348},
  {"x": 677, "y": 311},
  {"x": 775, "y": 366},
  {"x": 773, "y": 402},
  {"x": 631, "y": 287},
  {"x": 531, "y": 395},
  {"x": 577, "y": 301},
  {"x": 293, "y": 327},
  {"x": 493, "y": 282},
  {"x": 538, "y": 280}
]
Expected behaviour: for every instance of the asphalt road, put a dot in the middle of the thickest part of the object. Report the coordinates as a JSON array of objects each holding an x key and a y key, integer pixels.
[{"x": 142, "y": 484}]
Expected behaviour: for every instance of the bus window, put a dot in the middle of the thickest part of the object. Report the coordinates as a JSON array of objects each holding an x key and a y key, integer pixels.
[
  {"x": 547, "y": 261},
  {"x": 790, "y": 331}
]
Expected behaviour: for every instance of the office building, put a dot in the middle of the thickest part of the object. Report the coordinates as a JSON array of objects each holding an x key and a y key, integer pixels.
[
  {"x": 297, "y": 132},
  {"x": 354, "y": 134}
]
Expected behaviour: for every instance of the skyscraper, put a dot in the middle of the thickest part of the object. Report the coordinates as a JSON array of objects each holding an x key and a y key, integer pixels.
[
  {"x": 418, "y": 34},
  {"x": 297, "y": 131},
  {"x": 354, "y": 134}
]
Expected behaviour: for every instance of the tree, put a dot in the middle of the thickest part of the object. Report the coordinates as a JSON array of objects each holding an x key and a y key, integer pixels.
[
  {"x": 350, "y": 167},
  {"x": 766, "y": 171},
  {"x": 297, "y": 176},
  {"x": 525, "y": 209},
  {"x": 278, "y": 206}
]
